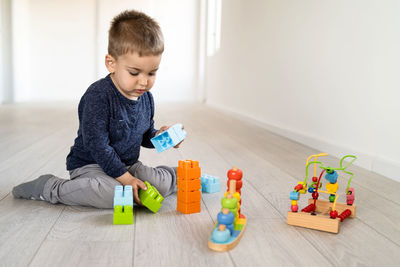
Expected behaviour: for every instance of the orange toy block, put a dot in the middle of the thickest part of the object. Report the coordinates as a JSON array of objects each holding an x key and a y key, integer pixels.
[
  {"x": 188, "y": 170},
  {"x": 189, "y": 185},
  {"x": 189, "y": 208},
  {"x": 189, "y": 197}
]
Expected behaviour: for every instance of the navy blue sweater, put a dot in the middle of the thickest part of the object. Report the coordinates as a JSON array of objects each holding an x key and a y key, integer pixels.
[{"x": 111, "y": 128}]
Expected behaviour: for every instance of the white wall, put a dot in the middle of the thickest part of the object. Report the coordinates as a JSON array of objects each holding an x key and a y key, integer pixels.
[
  {"x": 59, "y": 46},
  {"x": 178, "y": 19},
  {"x": 324, "y": 73},
  {"x": 5, "y": 52},
  {"x": 53, "y": 49}
]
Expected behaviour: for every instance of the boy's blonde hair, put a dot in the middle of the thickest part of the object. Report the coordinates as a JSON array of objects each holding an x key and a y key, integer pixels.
[{"x": 132, "y": 31}]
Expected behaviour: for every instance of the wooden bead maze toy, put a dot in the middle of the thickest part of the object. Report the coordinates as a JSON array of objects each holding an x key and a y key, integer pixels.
[
  {"x": 321, "y": 214},
  {"x": 231, "y": 224}
]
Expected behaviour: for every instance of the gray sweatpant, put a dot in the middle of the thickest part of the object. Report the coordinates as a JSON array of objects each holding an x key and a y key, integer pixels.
[{"x": 91, "y": 186}]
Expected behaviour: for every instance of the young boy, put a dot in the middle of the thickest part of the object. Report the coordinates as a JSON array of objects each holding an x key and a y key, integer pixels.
[{"x": 115, "y": 119}]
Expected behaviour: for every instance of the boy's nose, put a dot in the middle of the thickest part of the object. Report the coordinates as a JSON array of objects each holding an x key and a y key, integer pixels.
[{"x": 143, "y": 81}]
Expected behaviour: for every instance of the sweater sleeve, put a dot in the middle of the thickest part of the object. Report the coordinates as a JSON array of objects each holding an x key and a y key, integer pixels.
[
  {"x": 95, "y": 132},
  {"x": 151, "y": 132}
]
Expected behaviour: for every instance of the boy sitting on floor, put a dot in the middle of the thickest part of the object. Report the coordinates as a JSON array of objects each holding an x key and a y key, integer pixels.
[{"x": 115, "y": 119}]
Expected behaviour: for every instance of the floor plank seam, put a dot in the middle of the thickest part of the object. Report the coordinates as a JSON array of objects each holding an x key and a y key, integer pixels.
[
  {"x": 43, "y": 137},
  {"x": 379, "y": 233},
  {"x": 230, "y": 256},
  {"x": 382, "y": 196},
  {"x": 208, "y": 211},
  {"x": 41, "y": 166},
  {"x": 44, "y": 239},
  {"x": 5, "y": 196},
  {"x": 50, "y": 157}
]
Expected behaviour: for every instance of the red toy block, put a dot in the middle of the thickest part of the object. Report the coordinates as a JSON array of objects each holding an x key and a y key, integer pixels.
[
  {"x": 344, "y": 215},
  {"x": 298, "y": 187},
  {"x": 188, "y": 170},
  {"x": 235, "y": 174},
  {"x": 189, "y": 197}
]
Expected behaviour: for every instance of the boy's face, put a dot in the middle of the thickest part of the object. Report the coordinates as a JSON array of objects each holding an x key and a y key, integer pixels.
[{"x": 133, "y": 75}]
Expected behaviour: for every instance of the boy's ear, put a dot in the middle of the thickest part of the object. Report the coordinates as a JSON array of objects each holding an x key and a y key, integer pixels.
[{"x": 110, "y": 63}]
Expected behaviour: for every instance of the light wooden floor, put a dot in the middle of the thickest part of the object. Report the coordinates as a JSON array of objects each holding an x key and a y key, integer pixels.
[{"x": 35, "y": 140}]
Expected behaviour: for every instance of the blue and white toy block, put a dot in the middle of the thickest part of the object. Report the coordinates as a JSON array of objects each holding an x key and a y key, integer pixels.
[
  {"x": 169, "y": 138},
  {"x": 123, "y": 196},
  {"x": 210, "y": 184}
]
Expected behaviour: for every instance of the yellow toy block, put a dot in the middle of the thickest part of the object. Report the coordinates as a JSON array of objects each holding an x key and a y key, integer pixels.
[{"x": 332, "y": 188}]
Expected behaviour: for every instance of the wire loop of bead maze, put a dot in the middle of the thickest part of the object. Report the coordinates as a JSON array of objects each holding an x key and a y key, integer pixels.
[{"x": 321, "y": 214}]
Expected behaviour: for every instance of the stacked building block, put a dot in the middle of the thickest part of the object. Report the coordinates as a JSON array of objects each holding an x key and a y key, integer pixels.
[
  {"x": 123, "y": 205},
  {"x": 169, "y": 138},
  {"x": 151, "y": 198},
  {"x": 189, "y": 186},
  {"x": 210, "y": 184}
]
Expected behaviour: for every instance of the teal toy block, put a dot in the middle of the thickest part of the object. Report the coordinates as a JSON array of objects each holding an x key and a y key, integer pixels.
[
  {"x": 123, "y": 196},
  {"x": 220, "y": 237},
  {"x": 169, "y": 138},
  {"x": 123, "y": 214},
  {"x": 210, "y": 184},
  {"x": 151, "y": 198},
  {"x": 294, "y": 195},
  {"x": 331, "y": 177}
]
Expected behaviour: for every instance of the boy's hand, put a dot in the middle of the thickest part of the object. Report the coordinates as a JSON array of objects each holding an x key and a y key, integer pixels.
[
  {"x": 177, "y": 146},
  {"x": 164, "y": 128},
  {"x": 128, "y": 179}
]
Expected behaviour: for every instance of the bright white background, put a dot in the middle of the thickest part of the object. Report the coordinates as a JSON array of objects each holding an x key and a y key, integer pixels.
[
  {"x": 59, "y": 46},
  {"x": 5, "y": 51},
  {"x": 324, "y": 73}
]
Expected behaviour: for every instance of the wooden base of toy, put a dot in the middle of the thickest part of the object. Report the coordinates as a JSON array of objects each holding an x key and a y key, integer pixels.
[
  {"x": 318, "y": 222},
  {"x": 321, "y": 221},
  {"x": 226, "y": 246},
  {"x": 325, "y": 206}
]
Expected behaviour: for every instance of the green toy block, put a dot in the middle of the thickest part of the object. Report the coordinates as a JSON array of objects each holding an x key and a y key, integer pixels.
[
  {"x": 151, "y": 198},
  {"x": 238, "y": 227},
  {"x": 123, "y": 215}
]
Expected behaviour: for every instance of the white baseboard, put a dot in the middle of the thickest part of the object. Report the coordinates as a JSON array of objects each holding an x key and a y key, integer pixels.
[
  {"x": 369, "y": 161},
  {"x": 387, "y": 167}
]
